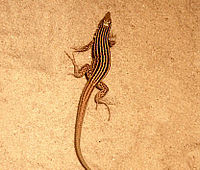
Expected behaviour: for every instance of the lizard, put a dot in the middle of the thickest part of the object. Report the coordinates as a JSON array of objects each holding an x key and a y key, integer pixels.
[{"x": 94, "y": 73}]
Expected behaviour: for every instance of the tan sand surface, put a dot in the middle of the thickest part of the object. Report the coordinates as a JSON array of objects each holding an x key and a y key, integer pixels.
[{"x": 154, "y": 85}]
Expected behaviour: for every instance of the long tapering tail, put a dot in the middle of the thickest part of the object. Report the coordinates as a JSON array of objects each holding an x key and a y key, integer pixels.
[{"x": 87, "y": 91}]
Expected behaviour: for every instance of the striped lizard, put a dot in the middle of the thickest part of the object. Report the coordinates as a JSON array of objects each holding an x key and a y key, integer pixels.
[{"x": 100, "y": 65}]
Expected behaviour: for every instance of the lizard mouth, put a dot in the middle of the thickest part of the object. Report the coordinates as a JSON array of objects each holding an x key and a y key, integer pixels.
[{"x": 107, "y": 16}]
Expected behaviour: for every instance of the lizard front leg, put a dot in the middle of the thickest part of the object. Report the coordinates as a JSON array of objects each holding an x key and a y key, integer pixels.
[
  {"x": 84, "y": 48},
  {"x": 112, "y": 39}
]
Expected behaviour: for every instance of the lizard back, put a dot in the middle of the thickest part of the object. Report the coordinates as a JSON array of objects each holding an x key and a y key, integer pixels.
[{"x": 101, "y": 50}]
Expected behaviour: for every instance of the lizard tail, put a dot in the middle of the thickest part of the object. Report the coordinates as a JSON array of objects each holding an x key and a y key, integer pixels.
[{"x": 89, "y": 87}]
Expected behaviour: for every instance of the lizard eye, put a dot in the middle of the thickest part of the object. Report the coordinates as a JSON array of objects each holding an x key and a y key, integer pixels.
[{"x": 106, "y": 23}]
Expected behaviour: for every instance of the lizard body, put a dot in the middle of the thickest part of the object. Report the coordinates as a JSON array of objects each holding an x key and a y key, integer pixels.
[{"x": 100, "y": 65}]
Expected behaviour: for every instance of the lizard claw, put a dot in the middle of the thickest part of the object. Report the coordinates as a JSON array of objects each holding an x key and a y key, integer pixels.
[
  {"x": 71, "y": 58},
  {"x": 106, "y": 107}
]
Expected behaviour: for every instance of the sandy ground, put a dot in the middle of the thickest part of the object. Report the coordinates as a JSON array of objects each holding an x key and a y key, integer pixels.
[{"x": 154, "y": 85}]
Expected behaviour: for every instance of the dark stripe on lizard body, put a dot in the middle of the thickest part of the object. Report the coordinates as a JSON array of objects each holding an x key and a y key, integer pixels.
[{"x": 102, "y": 54}]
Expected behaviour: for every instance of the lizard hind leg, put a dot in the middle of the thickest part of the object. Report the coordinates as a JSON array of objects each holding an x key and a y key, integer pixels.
[{"x": 98, "y": 97}]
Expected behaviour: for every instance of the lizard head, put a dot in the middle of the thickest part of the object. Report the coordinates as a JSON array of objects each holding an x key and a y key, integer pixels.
[{"x": 106, "y": 21}]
